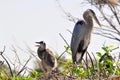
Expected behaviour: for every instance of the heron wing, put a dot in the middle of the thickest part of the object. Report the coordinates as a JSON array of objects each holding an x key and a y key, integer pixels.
[
  {"x": 78, "y": 41},
  {"x": 40, "y": 54},
  {"x": 50, "y": 58}
]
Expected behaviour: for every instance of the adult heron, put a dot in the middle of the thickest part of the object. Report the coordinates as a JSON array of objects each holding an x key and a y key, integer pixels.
[
  {"x": 81, "y": 35},
  {"x": 47, "y": 57}
]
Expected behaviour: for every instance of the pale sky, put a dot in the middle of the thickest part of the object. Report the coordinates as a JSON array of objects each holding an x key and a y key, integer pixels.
[{"x": 28, "y": 21}]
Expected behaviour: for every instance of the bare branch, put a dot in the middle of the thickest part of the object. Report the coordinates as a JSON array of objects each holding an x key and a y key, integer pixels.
[
  {"x": 91, "y": 60},
  {"x": 69, "y": 16},
  {"x": 64, "y": 39},
  {"x": 113, "y": 38},
  {"x": 31, "y": 51},
  {"x": 66, "y": 43},
  {"x": 16, "y": 55},
  {"x": 108, "y": 30},
  {"x": 110, "y": 23},
  {"x": 1, "y": 53},
  {"x": 61, "y": 55},
  {"x": 24, "y": 66},
  {"x": 94, "y": 58},
  {"x": 115, "y": 13},
  {"x": 69, "y": 31}
]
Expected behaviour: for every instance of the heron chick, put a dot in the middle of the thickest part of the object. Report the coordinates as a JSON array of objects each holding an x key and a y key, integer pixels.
[
  {"x": 47, "y": 57},
  {"x": 81, "y": 35}
]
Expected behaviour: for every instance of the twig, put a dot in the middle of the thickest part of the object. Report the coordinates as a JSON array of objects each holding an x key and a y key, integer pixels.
[
  {"x": 91, "y": 59},
  {"x": 15, "y": 51},
  {"x": 1, "y": 53},
  {"x": 17, "y": 59},
  {"x": 110, "y": 23},
  {"x": 94, "y": 58},
  {"x": 91, "y": 63},
  {"x": 69, "y": 31},
  {"x": 61, "y": 55},
  {"x": 64, "y": 39},
  {"x": 87, "y": 68},
  {"x": 66, "y": 43},
  {"x": 31, "y": 51},
  {"x": 70, "y": 17},
  {"x": 114, "y": 48},
  {"x": 115, "y": 13},
  {"x": 107, "y": 30},
  {"x": 115, "y": 38},
  {"x": 24, "y": 66}
]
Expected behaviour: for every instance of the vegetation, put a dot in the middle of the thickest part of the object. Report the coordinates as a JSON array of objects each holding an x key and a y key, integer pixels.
[{"x": 103, "y": 66}]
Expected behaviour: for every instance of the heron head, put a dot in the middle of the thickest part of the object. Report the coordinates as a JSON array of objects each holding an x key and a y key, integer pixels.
[
  {"x": 41, "y": 45},
  {"x": 91, "y": 14}
]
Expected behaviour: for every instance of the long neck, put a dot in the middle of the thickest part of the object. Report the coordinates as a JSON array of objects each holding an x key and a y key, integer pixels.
[
  {"x": 89, "y": 25},
  {"x": 42, "y": 49},
  {"x": 89, "y": 21}
]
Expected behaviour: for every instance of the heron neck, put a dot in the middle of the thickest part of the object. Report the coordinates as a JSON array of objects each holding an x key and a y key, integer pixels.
[
  {"x": 41, "y": 49},
  {"x": 89, "y": 22}
]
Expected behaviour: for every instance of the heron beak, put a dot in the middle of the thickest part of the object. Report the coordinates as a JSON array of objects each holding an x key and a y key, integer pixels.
[
  {"x": 37, "y": 42},
  {"x": 97, "y": 21},
  {"x": 37, "y": 45}
]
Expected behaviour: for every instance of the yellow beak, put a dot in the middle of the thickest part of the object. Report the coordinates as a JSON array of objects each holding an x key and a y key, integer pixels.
[
  {"x": 37, "y": 45},
  {"x": 97, "y": 21}
]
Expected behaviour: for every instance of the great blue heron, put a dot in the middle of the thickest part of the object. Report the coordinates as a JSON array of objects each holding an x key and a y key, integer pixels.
[
  {"x": 81, "y": 35},
  {"x": 47, "y": 57}
]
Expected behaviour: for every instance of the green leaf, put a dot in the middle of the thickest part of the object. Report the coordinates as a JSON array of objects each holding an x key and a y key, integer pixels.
[
  {"x": 35, "y": 73},
  {"x": 118, "y": 72},
  {"x": 66, "y": 47},
  {"x": 99, "y": 54},
  {"x": 111, "y": 46},
  {"x": 106, "y": 49},
  {"x": 100, "y": 65},
  {"x": 109, "y": 62}
]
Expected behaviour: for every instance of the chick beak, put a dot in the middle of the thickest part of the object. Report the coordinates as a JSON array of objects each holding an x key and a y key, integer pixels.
[
  {"x": 37, "y": 42},
  {"x": 37, "y": 45}
]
